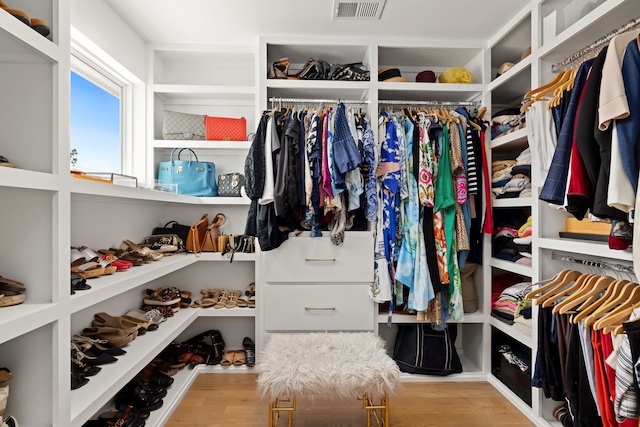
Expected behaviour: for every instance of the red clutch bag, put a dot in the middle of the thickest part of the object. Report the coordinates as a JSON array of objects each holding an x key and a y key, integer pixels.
[{"x": 225, "y": 128}]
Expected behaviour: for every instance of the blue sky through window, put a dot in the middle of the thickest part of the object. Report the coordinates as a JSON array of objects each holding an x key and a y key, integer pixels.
[{"x": 95, "y": 126}]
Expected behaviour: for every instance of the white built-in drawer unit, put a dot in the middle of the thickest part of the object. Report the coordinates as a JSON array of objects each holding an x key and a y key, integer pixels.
[
  {"x": 316, "y": 259},
  {"x": 318, "y": 307}
]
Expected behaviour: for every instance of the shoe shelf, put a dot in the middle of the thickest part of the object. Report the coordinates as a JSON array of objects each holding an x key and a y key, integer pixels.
[
  {"x": 20, "y": 319},
  {"x": 226, "y": 312},
  {"x": 16, "y": 33},
  {"x": 316, "y": 89},
  {"x": 105, "y": 287},
  {"x": 219, "y": 369},
  {"x": 218, "y": 257},
  {"x": 207, "y": 145},
  {"x": 523, "y": 270},
  {"x": 510, "y": 331},
  {"x": 89, "y": 399},
  {"x": 516, "y": 202},
  {"x": 22, "y": 178},
  {"x": 584, "y": 247}
]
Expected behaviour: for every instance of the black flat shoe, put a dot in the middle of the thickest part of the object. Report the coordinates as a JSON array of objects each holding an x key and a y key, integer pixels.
[
  {"x": 137, "y": 396},
  {"x": 78, "y": 380},
  {"x": 79, "y": 367}
]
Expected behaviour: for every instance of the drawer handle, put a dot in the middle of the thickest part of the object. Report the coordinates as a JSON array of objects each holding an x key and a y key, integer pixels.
[
  {"x": 320, "y": 260},
  {"x": 320, "y": 309}
]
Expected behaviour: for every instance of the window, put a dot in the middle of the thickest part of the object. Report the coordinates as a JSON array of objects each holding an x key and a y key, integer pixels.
[
  {"x": 96, "y": 115},
  {"x": 107, "y": 112}
]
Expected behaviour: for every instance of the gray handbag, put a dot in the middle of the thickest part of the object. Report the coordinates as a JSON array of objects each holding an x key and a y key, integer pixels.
[
  {"x": 182, "y": 126},
  {"x": 229, "y": 184}
]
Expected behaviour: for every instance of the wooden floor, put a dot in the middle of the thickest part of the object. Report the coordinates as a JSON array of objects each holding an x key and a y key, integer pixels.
[{"x": 217, "y": 400}]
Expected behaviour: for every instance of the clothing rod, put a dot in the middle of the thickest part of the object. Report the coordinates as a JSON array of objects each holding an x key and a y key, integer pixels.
[
  {"x": 601, "y": 42},
  {"x": 442, "y": 103},
  {"x": 593, "y": 263},
  {"x": 274, "y": 100}
]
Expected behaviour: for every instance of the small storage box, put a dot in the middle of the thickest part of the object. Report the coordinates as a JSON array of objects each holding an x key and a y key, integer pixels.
[
  {"x": 518, "y": 382},
  {"x": 588, "y": 227}
]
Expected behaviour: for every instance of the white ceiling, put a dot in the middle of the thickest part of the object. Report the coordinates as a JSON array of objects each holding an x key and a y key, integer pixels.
[{"x": 241, "y": 21}]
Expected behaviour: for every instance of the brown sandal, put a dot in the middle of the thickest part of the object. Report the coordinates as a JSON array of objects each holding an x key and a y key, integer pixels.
[
  {"x": 223, "y": 300},
  {"x": 238, "y": 358},
  {"x": 228, "y": 358},
  {"x": 233, "y": 299}
]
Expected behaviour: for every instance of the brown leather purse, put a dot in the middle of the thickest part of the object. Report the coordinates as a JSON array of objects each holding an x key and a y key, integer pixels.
[
  {"x": 210, "y": 243},
  {"x": 197, "y": 234}
]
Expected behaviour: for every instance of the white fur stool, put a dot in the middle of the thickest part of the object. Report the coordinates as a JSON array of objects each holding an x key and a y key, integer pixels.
[{"x": 341, "y": 365}]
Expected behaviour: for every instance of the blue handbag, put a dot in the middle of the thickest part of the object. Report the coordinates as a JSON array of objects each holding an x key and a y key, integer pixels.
[{"x": 194, "y": 178}]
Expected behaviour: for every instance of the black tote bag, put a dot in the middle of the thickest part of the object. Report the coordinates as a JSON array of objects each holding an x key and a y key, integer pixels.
[
  {"x": 173, "y": 227},
  {"x": 419, "y": 349}
]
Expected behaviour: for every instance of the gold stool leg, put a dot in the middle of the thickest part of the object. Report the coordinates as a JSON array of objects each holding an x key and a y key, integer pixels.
[
  {"x": 275, "y": 407},
  {"x": 382, "y": 419}
]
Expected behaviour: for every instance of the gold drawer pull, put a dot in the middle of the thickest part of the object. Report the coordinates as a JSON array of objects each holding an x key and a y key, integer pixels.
[
  {"x": 320, "y": 309},
  {"x": 320, "y": 260}
]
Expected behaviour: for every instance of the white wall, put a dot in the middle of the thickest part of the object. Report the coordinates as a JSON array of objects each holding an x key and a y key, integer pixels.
[{"x": 102, "y": 25}]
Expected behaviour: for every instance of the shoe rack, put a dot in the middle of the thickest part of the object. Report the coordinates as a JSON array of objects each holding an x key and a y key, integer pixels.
[{"x": 44, "y": 211}]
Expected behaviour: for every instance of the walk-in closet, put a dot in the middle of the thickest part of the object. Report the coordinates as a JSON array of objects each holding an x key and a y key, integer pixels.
[{"x": 191, "y": 189}]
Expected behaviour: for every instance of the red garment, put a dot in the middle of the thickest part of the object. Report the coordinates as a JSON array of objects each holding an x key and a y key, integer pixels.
[
  {"x": 605, "y": 403},
  {"x": 578, "y": 192},
  {"x": 487, "y": 227}
]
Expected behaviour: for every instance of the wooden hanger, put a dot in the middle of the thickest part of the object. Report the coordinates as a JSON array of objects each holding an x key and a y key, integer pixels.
[
  {"x": 539, "y": 93},
  {"x": 560, "y": 279},
  {"x": 474, "y": 125},
  {"x": 613, "y": 290},
  {"x": 565, "y": 291},
  {"x": 545, "y": 88},
  {"x": 618, "y": 313},
  {"x": 624, "y": 292},
  {"x": 612, "y": 321},
  {"x": 481, "y": 112},
  {"x": 564, "y": 87},
  {"x": 619, "y": 329},
  {"x": 589, "y": 292}
]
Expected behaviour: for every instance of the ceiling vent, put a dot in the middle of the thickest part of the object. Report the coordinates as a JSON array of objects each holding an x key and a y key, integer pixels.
[{"x": 358, "y": 10}]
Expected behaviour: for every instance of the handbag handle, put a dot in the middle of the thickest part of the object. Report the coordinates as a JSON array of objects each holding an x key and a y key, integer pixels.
[
  {"x": 180, "y": 152},
  {"x": 218, "y": 220}
]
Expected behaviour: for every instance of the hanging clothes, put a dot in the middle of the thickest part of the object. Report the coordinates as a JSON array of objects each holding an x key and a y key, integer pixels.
[{"x": 303, "y": 173}]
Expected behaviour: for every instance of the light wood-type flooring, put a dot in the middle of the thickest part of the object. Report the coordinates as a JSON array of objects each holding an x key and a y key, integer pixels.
[{"x": 217, "y": 400}]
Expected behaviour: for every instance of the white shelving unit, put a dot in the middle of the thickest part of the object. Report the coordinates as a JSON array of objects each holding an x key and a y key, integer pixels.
[{"x": 45, "y": 210}]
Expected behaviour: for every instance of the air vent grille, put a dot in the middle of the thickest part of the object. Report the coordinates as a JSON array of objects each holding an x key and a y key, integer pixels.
[{"x": 358, "y": 10}]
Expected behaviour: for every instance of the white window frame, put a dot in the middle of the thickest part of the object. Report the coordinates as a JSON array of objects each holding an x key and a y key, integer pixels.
[{"x": 94, "y": 64}]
